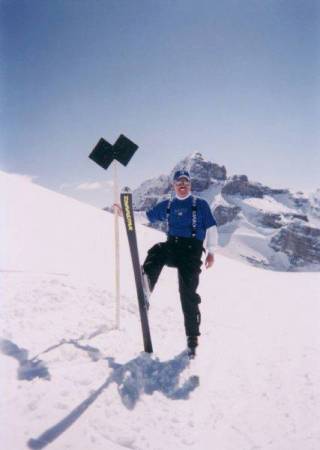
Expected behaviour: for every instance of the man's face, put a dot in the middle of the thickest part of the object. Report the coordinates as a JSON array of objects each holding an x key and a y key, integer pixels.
[{"x": 182, "y": 187}]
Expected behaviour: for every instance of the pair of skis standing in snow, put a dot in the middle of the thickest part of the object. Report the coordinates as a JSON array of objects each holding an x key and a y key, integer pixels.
[{"x": 190, "y": 223}]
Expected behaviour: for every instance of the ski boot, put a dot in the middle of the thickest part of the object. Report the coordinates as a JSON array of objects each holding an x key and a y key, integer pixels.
[
  {"x": 192, "y": 342},
  {"x": 146, "y": 287}
]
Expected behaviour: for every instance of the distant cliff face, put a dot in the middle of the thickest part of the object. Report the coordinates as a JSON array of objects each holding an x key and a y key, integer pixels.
[
  {"x": 270, "y": 228},
  {"x": 203, "y": 174},
  {"x": 299, "y": 242}
]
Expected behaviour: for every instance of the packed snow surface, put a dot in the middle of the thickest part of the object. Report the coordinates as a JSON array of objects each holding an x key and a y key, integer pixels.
[{"x": 70, "y": 380}]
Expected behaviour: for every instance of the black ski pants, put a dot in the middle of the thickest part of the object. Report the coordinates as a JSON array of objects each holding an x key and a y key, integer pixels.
[{"x": 185, "y": 255}]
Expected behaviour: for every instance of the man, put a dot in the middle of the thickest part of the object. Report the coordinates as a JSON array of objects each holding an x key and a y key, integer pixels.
[{"x": 189, "y": 221}]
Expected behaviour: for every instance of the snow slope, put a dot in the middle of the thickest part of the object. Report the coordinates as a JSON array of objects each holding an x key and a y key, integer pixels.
[{"x": 71, "y": 381}]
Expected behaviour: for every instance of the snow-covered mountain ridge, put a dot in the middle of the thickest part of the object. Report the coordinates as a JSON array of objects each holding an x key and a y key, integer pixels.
[{"x": 271, "y": 228}]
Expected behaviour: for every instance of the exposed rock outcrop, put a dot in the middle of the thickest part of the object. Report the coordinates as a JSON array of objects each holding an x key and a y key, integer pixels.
[
  {"x": 240, "y": 185},
  {"x": 300, "y": 242},
  {"x": 225, "y": 214}
]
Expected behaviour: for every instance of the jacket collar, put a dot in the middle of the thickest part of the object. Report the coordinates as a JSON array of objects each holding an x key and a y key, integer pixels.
[{"x": 184, "y": 198}]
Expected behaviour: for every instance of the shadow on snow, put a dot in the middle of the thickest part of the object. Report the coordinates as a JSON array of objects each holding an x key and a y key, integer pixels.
[
  {"x": 28, "y": 368},
  {"x": 142, "y": 375}
]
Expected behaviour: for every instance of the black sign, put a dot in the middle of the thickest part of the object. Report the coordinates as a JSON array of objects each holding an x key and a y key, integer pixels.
[{"x": 122, "y": 150}]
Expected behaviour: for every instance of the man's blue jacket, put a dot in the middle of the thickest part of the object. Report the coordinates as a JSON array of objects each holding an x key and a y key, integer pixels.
[{"x": 180, "y": 216}]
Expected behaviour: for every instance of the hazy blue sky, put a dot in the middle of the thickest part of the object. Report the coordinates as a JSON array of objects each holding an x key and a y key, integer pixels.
[{"x": 237, "y": 80}]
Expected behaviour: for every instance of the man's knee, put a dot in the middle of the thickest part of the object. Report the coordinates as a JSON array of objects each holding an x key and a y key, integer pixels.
[
  {"x": 157, "y": 252},
  {"x": 188, "y": 286}
]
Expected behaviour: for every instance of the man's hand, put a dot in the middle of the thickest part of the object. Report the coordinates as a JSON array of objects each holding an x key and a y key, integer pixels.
[
  {"x": 117, "y": 207},
  {"x": 209, "y": 260}
]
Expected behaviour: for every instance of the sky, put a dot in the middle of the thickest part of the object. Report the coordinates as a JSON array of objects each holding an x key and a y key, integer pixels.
[{"x": 236, "y": 80}]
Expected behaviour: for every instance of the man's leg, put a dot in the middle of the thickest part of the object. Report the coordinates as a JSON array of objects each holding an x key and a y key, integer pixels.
[
  {"x": 154, "y": 263},
  {"x": 188, "y": 274}
]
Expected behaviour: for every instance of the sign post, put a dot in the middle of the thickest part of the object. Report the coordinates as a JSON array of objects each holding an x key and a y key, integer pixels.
[
  {"x": 104, "y": 154},
  {"x": 116, "y": 243}
]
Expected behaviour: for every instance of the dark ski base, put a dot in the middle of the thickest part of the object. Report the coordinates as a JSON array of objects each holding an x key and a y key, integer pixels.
[{"x": 126, "y": 204}]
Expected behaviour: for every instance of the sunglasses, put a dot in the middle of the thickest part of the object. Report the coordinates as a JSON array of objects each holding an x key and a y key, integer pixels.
[{"x": 182, "y": 182}]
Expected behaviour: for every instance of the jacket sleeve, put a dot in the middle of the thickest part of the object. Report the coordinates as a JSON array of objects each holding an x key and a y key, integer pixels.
[
  {"x": 208, "y": 218},
  {"x": 211, "y": 239},
  {"x": 158, "y": 212}
]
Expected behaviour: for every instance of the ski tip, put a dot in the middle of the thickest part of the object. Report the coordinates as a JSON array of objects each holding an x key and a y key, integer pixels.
[
  {"x": 126, "y": 190},
  {"x": 191, "y": 352},
  {"x": 147, "y": 355}
]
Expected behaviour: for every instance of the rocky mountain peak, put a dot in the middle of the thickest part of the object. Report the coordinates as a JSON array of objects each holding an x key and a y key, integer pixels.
[
  {"x": 203, "y": 172},
  {"x": 270, "y": 228}
]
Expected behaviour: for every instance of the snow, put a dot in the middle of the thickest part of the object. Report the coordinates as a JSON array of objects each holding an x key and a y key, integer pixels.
[
  {"x": 267, "y": 204},
  {"x": 72, "y": 381}
]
